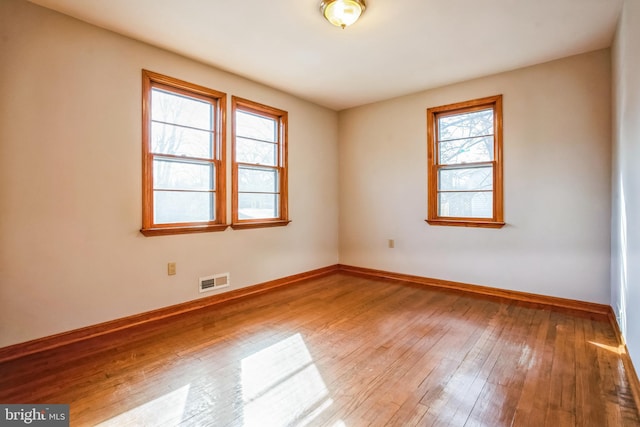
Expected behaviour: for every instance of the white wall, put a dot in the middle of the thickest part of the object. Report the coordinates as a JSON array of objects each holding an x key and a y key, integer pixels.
[
  {"x": 625, "y": 231},
  {"x": 557, "y": 133},
  {"x": 71, "y": 254}
]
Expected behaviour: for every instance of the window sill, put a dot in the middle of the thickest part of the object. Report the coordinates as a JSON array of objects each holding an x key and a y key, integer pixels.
[
  {"x": 466, "y": 223},
  {"x": 260, "y": 224},
  {"x": 167, "y": 231}
]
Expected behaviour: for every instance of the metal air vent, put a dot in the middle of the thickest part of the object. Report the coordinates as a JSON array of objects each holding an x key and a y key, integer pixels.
[{"x": 216, "y": 281}]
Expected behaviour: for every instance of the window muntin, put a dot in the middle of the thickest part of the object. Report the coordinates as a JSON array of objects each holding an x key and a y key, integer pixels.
[
  {"x": 259, "y": 165},
  {"x": 465, "y": 166},
  {"x": 183, "y": 157}
]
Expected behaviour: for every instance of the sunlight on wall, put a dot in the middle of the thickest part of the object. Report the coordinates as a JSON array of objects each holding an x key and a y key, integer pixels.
[
  {"x": 623, "y": 284},
  {"x": 165, "y": 410},
  {"x": 281, "y": 385}
]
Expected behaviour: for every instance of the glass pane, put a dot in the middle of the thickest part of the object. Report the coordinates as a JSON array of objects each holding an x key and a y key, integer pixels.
[
  {"x": 258, "y": 206},
  {"x": 466, "y": 205},
  {"x": 181, "y": 110},
  {"x": 256, "y": 152},
  {"x": 256, "y": 127},
  {"x": 174, "y": 206},
  {"x": 177, "y": 175},
  {"x": 465, "y": 179},
  {"x": 179, "y": 141},
  {"x": 466, "y": 125},
  {"x": 257, "y": 180},
  {"x": 466, "y": 150}
]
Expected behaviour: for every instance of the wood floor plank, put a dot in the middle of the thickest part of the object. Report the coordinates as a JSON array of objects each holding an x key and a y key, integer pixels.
[
  {"x": 536, "y": 362},
  {"x": 495, "y": 371},
  {"x": 341, "y": 351},
  {"x": 398, "y": 363},
  {"x": 563, "y": 372}
]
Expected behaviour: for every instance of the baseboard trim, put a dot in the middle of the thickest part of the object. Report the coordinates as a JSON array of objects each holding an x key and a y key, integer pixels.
[
  {"x": 632, "y": 375},
  {"x": 564, "y": 303},
  {"x": 58, "y": 340}
]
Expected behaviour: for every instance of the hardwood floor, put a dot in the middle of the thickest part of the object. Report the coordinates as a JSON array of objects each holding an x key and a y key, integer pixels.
[{"x": 341, "y": 351}]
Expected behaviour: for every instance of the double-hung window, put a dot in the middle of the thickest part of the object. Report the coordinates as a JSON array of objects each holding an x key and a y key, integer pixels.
[
  {"x": 183, "y": 157},
  {"x": 259, "y": 152},
  {"x": 465, "y": 163}
]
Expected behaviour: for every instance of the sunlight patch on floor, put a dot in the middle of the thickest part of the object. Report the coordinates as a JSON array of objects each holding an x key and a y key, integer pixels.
[
  {"x": 314, "y": 414},
  {"x": 617, "y": 349},
  {"x": 281, "y": 385},
  {"x": 165, "y": 410}
]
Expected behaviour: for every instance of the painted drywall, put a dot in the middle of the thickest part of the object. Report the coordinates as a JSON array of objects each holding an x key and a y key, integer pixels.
[
  {"x": 625, "y": 230},
  {"x": 71, "y": 253},
  {"x": 557, "y": 163}
]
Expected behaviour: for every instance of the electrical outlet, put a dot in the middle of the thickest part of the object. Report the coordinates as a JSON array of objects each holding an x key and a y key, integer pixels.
[
  {"x": 171, "y": 268},
  {"x": 392, "y": 243}
]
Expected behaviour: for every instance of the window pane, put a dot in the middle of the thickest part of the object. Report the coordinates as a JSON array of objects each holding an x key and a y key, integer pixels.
[
  {"x": 256, "y": 127},
  {"x": 181, "y": 110},
  {"x": 257, "y": 180},
  {"x": 180, "y": 206},
  {"x": 256, "y": 152},
  {"x": 177, "y": 175},
  {"x": 180, "y": 141},
  {"x": 466, "y": 179},
  {"x": 466, "y": 125},
  {"x": 466, "y": 150},
  {"x": 258, "y": 206},
  {"x": 466, "y": 205}
]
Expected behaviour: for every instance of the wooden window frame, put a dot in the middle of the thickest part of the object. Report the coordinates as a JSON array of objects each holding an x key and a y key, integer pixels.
[
  {"x": 152, "y": 80},
  {"x": 281, "y": 118},
  {"x": 433, "y": 218}
]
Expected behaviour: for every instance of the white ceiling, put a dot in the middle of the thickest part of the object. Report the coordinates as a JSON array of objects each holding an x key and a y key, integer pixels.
[{"x": 397, "y": 47}]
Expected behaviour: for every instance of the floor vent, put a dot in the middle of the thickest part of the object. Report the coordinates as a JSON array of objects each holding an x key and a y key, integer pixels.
[{"x": 216, "y": 281}]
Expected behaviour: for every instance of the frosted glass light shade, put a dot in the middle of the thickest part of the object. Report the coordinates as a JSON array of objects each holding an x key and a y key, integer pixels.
[{"x": 342, "y": 13}]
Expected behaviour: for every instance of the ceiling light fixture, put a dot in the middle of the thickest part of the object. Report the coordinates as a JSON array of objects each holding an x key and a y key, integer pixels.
[{"x": 342, "y": 13}]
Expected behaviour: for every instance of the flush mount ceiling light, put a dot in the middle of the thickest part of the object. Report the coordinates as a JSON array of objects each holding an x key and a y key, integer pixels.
[{"x": 342, "y": 13}]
